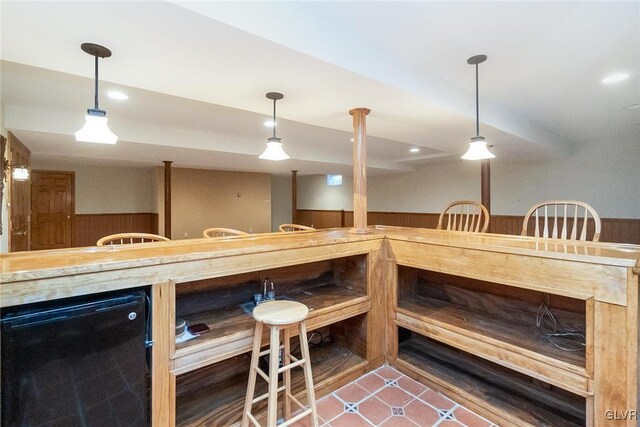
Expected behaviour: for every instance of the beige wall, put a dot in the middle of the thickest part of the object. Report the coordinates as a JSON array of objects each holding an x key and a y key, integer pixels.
[
  {"x": 280, "y": 201},
  {"x": 108, "y": 189},
  {"x": 603, "y": 173},
  {"x": 314, "y": 193},
  {"x": 205, "y": 198}
]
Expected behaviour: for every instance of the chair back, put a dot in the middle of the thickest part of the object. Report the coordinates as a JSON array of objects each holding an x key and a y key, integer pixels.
[
  {"x": 294, "y": 227},
  {"x": 222, "y": 232},
  {"x": 129, "y": 238},
  {"x": 465, "y": 215},
  {"x": 554, "y": 218}
]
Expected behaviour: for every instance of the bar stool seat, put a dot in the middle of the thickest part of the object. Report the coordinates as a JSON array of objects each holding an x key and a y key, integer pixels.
[
  {"x": 280, "y": 315},
  {"x": 280, "y": 312}
]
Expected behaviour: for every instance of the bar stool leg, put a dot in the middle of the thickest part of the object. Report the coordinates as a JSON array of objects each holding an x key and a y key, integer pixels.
[
  {"x": 308, "y": 378},
  {"x": 273, "y": 376},
  {"x": 287, "y": 374},
  {"x": 255, "y": 354}
]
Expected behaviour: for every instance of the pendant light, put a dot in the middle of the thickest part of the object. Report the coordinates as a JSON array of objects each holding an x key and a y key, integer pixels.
[
  {"x": 274, "y": 149},
  {"x": 95, "y": 128},
  {"x": 478, "y": 146},
  {"x": 18, "y": 172}
]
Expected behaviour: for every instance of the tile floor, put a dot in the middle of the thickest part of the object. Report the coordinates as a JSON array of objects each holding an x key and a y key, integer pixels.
[{"x": 388, "y": 398}]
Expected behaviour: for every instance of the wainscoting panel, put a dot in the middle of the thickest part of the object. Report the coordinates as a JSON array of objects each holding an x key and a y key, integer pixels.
[
  {"x": 324, "y": 219},
  {"x": 88, "y": 228},
  {"x": 617, "y": 230}
]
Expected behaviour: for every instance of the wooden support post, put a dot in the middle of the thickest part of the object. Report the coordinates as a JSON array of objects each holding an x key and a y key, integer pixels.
[
  {"x": 167, "y": 198},
  {"x": 163, "y": 382},
  {"x": 294, "y": 197},
  {"x": 485, "y": 184},
  {"x": 359, "y": 170}
]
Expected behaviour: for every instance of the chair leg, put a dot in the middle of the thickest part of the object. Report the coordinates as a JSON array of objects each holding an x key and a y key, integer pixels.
[
  {"x": 255, "y": 354},
  {"x": 308, "y": 378},
  {"x": 287, "y": 374},
  {"x": 274, "y": 354}
]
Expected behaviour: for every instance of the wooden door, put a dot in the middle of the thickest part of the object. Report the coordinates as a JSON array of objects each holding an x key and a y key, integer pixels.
[
  {"x": 19, "y": 198},
  {"x": 52, "y": 209}
]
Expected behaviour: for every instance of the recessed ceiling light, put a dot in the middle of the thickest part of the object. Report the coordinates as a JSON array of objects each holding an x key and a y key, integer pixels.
[
  {"x": 351, "y": 139},
  {"x": 615, "y": 78},
  {"x": 270, "y": 123},
  {"x": 113, "y": 94},
  {"x": 632, "y": 107},
  {"x": 414, "y": 150}
]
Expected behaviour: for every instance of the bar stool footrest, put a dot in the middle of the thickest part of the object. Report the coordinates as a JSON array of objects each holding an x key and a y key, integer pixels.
[
  {"x": 267, "y": 351},
  {"x": 296, "y": 418},
  {"x": 296, "y": 401},
  {"x": 291, "y": 366},
  {"x": 262, "y": 374},
  {"x": 264, "y": 396},
  {"x": 253, "y": 419},
  {"x": 292, "y": 357}
]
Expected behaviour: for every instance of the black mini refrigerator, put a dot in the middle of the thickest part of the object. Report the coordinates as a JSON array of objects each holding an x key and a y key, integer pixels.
[{"x": 75, "y": 362}]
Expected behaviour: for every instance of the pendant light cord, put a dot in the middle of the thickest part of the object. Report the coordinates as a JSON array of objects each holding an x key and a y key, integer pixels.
[
  {"x": 274, "y": 118},
  {"x": 96, "y": 83},
  {"x": 477, "y": 105}
]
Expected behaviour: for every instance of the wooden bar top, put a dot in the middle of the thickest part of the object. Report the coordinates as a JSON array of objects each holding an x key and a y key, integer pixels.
[
  {"x": 32, "y": 265},
  {"x": 618, "y": 254}
]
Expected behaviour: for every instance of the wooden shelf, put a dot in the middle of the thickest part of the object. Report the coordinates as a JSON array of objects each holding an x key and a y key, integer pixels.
[
  {"x": 488, "y": 328},
  {"x": 232, "y": 319},
  {"x": 504, "y": 396},
  {"x": 231, "y": 329},
  {"x": 203, "y": 400}
]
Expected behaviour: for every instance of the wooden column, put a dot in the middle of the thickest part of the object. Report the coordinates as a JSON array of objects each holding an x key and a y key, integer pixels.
[
  {"x": 163, "y": 382},
  {"x": 485, "y": 184},
  {"x": 359, "y": 170},
  {"x": 167, "y": 198},
  {"x": 294, "y": 197}
]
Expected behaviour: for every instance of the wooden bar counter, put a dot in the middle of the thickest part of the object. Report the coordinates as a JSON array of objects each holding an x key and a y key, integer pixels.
[{"x": 457, "y": 311}]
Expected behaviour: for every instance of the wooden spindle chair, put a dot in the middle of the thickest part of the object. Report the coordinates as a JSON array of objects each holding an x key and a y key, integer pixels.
[
  {"x": 294, "y": 227},
  {"x": 214, "y": 232},
  {"x": 129, "y": 238},
  {"x": 565, "y": 215},
  {"x": 465, "y": 215}
]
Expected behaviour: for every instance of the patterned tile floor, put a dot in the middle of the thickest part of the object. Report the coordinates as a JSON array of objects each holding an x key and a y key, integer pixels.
[{"x": 388, "y": 398}]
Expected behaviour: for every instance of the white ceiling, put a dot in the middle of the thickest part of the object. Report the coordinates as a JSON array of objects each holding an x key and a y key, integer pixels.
[{"x": 196, "y": 74}]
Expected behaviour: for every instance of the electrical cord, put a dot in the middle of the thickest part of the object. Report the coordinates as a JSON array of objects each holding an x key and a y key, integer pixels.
[
  {"x": 148, "y": 339},
  {"x": 558, "y": 330},
  {"x": 323, "y": 341}
]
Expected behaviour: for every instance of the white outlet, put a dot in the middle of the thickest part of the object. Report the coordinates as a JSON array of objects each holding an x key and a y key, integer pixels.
[{"x": 186, "y": 234}]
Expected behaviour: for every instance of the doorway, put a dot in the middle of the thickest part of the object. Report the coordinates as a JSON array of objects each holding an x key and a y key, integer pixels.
[
  {"x": 52, "y": 209},
  {"x": 19, "y": 199}
]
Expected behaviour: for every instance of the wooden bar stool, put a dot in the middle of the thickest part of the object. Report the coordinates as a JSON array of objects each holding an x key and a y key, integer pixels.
[{"x": 280, "y": 315}]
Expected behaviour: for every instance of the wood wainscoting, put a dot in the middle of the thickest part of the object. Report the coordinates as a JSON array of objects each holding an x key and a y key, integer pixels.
[
  {"x": 617, "y": 230},
  {"x": 88, "y": 228}
]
